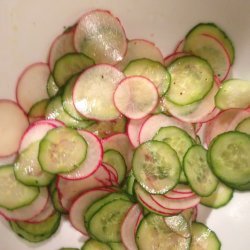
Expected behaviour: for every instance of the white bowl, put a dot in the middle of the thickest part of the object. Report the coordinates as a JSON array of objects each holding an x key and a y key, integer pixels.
[{"x": 28, "y": 27}]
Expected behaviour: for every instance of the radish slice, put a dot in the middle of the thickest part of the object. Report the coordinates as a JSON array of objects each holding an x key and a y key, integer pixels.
[
  {"x": 35, "y": 133},
  {"x": 69, "y": 189},
  {"x": 113, "y": 174},
  {"x": 170, "y": 58},
  {"x": 30, "y": 211},
  {"x": 33, "y": 80},
  {"x": 45, "y": 213},
  {"x": 101, "y": 36},
  {"x": 182, "y": 189},
  {"x": 139, "y": 218},
  {"x": 181, "y": 204},
  {"x": 194, "y": 112},
  {"x": 135, "y": 97},
  {"x": 176, "y": 195},
  {"x": 95, "y": 104},
  {"x": 120, "y": 143},
  {"x": 242, "y": 114},
  {"x": 133, "y": 130},
  {"x": 13, "y": 124},
  {"x": 179, "y": 46},
  {"x": 155, "y": 122},
  {"x": 92, "y": 160},
  {"x": 147, "y": 201},
  {"x": 57, "y": 123},
  {"x": 62, "y": 45},
  {"x": 140, "y": 48},
  {"x": 128, "y": 226},
  {"x": 222, "y": 123},
  {"x": 81, "y": 204}
]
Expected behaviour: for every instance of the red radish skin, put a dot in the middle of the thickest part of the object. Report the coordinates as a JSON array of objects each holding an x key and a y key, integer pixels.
[
  {"x": 126, "y": 101},
  {"x": 128, "y": 227},
  {"x": 198, "y": 127},
  {"x": 45, "y": 213},
  {"x": 113, "y": 173},
  {"x": 55, "y": 122},
  {"x": 119, "y": 52},
  {"x": 28, "y": 212},
  {"x": 93, "y": 158},
  {"x": 176, "y": 196},
  {"x": 181, "y": 204},
  {"x": 140, "y": 48},
  {"x": 62, "y": 45},
  {"x": 138, "y": 221},
  {"x": 121, "y": 143},
  {"x": 170, "y": 58},
  {"x": 13, "y": 118},
  {"x": 179, "y": 46},
  {"x": 133, "y": 130},
  {"x": 35, "y": 132},
  {"x": 33, "y": 80},
  {"x": 68, "y": 190},
  {"x": 81, "y": 204},
  {"x": 182, "y": 189}
]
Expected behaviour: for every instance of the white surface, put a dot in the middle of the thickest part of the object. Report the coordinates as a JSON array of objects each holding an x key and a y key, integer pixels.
[{"x": 28, "y": 27}]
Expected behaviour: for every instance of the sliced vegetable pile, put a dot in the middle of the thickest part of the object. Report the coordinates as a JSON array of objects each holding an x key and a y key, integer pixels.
[{"x": 107, "y": 132}]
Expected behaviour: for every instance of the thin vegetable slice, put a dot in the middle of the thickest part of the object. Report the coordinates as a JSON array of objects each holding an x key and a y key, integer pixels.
[
  {"x": 135, "y": 97},
  {"x": 156, "y": 167},
  {"x": 62, "y": 150},
  {"x": 100, "y": 36},
  {"x": 32, "y": 80},
  {"x": 95, "y": 104},
  {"x": 13, "y": 118},
  {"x": 233, "y": 93}
]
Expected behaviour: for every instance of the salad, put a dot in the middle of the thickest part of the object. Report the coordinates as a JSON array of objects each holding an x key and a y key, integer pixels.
[{"x": 107, "y": 135}]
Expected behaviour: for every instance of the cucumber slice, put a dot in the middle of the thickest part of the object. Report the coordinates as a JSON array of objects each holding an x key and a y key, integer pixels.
[
  {"x": 153, "y": 233},
  {"x": 199, "y": 175},
  {"x": 152, "y": 70},
  {"x": 116, "y": 160},
  {"x": 18, "y": 195},
  {"x": 69, "y": 65},
  {"x": 136, "y": 97},
  {"x": 191, "y": 80},
  {"x": 38, "y": 109},
  {"x": 117, "y": 246},
  {"x": 219, "y": 198},
  {"x": 57, "y": 203},
  {"x": 62, "y": 150},
  {"x": 95, "y": 206},
  {"x": 176, "y": 138},
  {"x": 215, "y": 31},
  {"x": 233, "y": 93},
  {"x": 56, "y": 111},
  {"x": 203, "y": 238},
  {"x": 179, "y": 225},
  {"x": 104, "y": 129},
  {"x": 28, "y": 169},
  {"x": 130, "y": 184},
  {"x": 156, "y": 167},
  {"x": 52, "y": 88},
  {"x": 49, "y": 226},
  {"x": 27, "y": 236},
  {"x": 98, "y": 105},
  {"x": 92, "y": 244},
  {"x": 101, "y": 36},
  {"x": 67, "y": 99},
  {"x": 105, "y": 225},
  {"x": 229, "y": 158},
  {"x": 211, "y": 49},
  {"x": 244, "y": 126}
]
